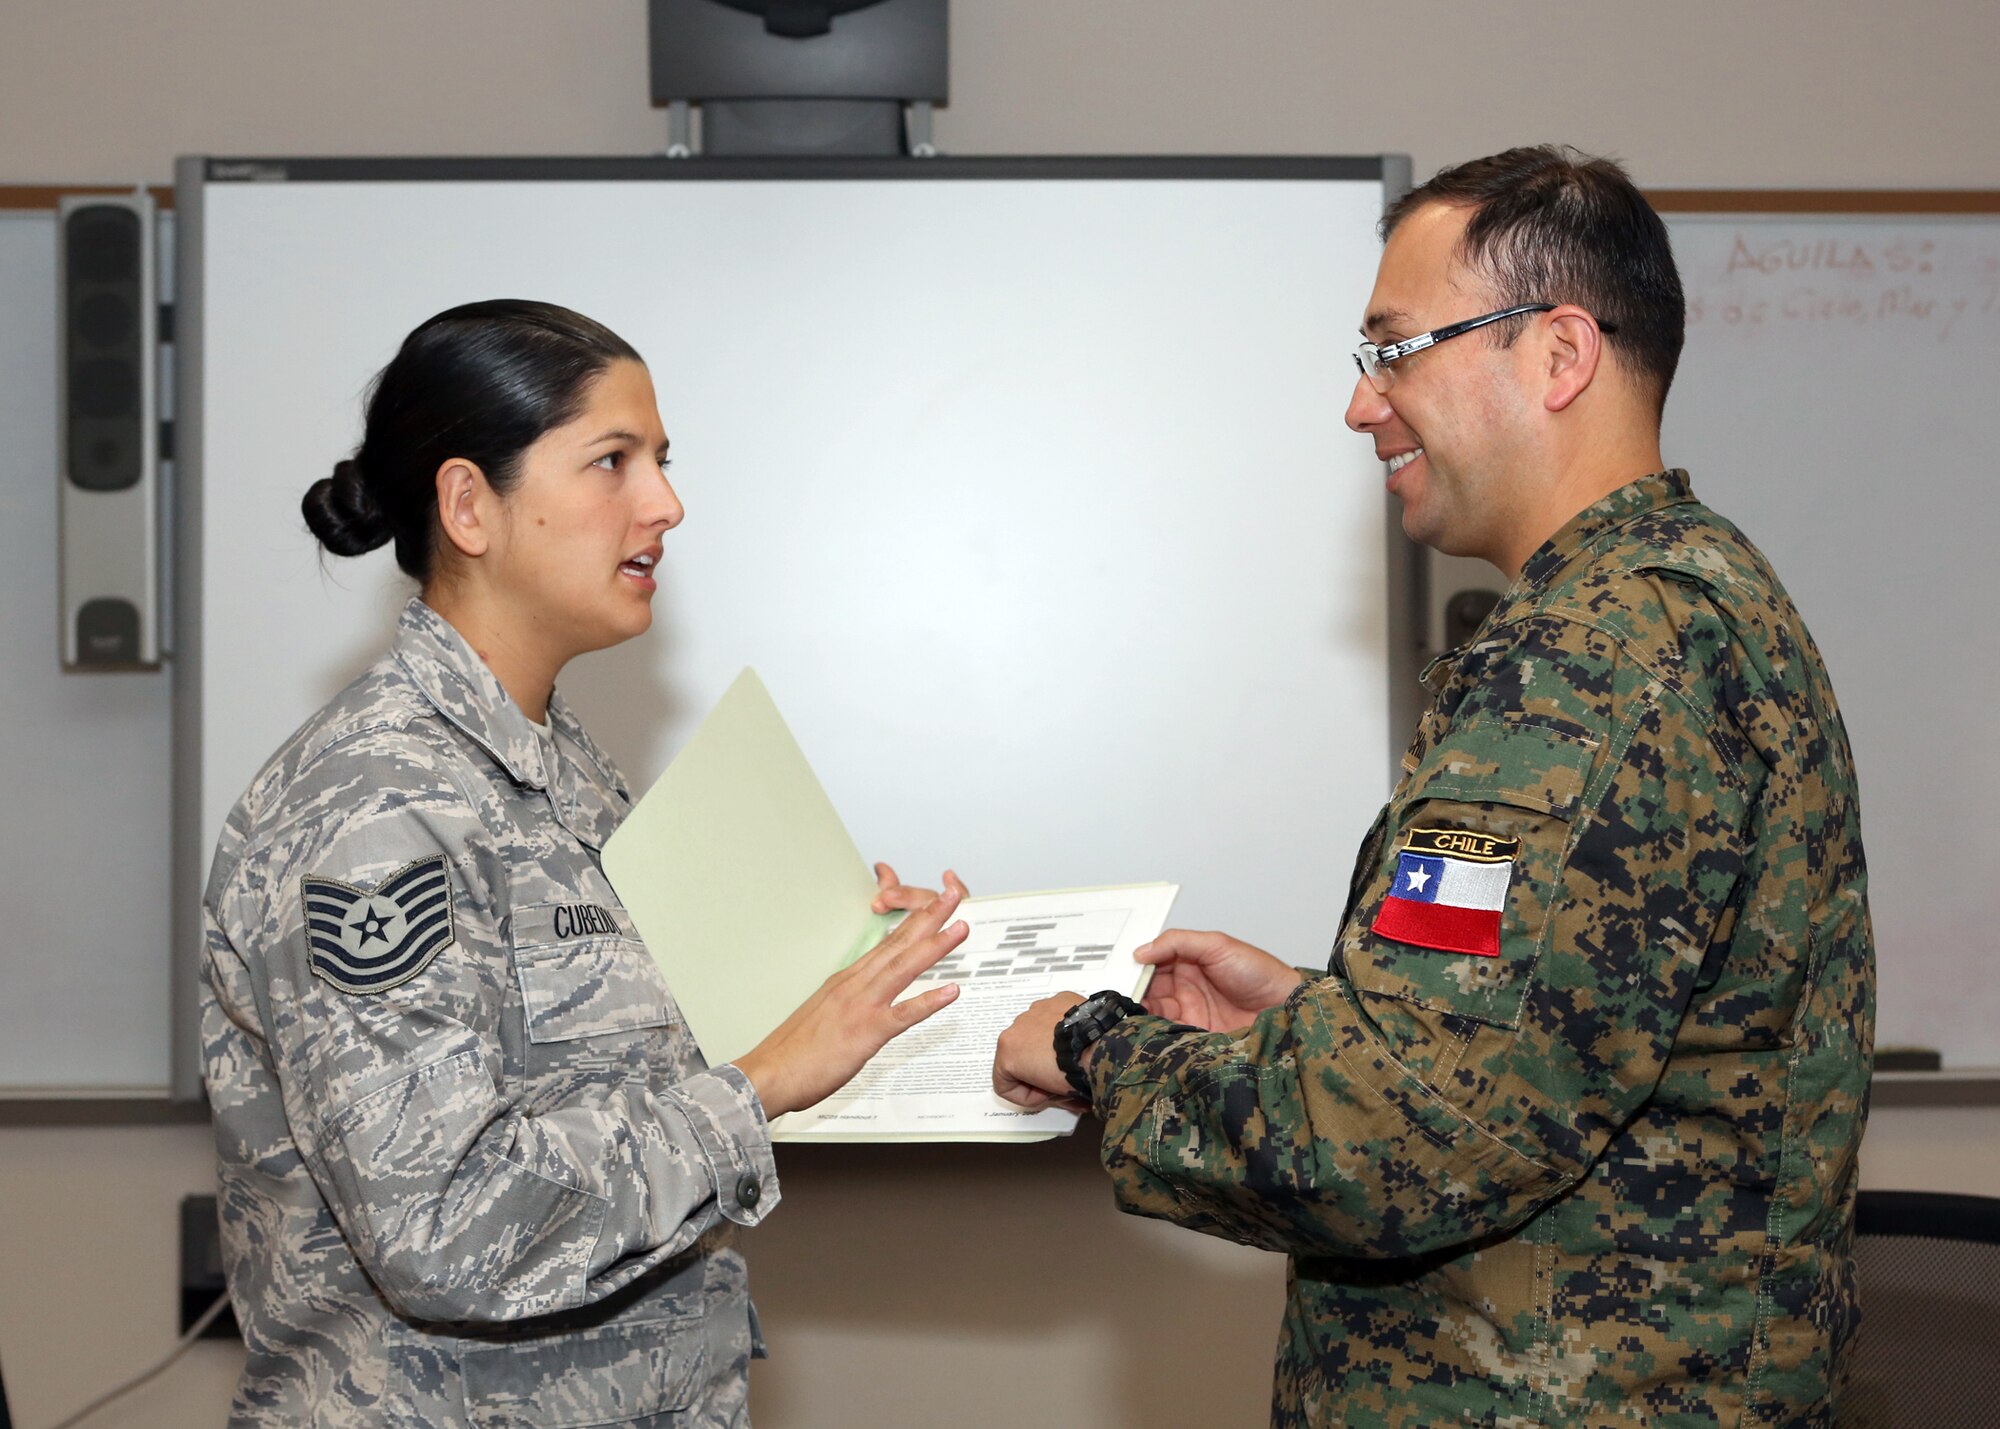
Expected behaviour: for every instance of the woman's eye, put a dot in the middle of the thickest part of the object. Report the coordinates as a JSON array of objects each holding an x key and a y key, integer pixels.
[
  {"x": 666, "y": 464},
  {"x": 610, "y": 461}
]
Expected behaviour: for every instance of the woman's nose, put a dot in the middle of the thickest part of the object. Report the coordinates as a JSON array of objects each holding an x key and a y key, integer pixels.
[{"x": 663, "y": 507}]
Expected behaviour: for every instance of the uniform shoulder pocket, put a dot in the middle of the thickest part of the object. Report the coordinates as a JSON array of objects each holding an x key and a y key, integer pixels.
[
  {"x": 1527, "y": 763},
  {"x": 1456, "y": 910}
]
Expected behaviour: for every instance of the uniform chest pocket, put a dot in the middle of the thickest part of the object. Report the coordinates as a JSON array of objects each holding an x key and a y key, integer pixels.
[
  {"x": 1456, "y": 910},
  {"x": 583, "y": 972}
]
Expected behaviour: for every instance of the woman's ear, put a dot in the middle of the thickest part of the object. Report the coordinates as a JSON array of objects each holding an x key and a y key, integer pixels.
[{"x": 465, "y": 507}]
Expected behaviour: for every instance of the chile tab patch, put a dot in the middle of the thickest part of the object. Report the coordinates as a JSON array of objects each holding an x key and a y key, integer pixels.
[
  {"x": 371, "y": 939},
  {"x": 1449, "y": 888}
]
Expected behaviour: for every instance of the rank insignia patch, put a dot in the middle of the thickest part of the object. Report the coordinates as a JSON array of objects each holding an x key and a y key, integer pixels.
[
  {"x": 1449, "y": 889},
  {"x": 371, "y": 939}
]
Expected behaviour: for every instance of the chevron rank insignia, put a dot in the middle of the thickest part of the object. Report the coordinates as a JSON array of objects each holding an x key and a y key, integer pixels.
[{"x": 371, "y": 939}]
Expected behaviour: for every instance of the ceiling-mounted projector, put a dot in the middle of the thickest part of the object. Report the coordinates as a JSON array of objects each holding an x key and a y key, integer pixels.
[
  {"x": 798, "y": 19},
  {"x": 817, "y": 78}
]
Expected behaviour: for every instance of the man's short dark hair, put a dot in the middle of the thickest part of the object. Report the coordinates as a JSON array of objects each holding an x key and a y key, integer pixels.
[{"x": 1552, "y": 225}]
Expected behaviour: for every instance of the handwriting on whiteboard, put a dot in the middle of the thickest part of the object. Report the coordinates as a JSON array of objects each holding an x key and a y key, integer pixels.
[{"x": 1902, "y": 284}]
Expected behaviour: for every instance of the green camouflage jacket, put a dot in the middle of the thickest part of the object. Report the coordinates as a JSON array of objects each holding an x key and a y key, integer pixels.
[
  {"x": 474, "y": 1170},
  {"x": 1567, "y": 1134}
]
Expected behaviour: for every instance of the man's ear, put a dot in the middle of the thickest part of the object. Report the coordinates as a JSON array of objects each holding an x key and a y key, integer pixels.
[
  {"x": 1574, "y": 348},
  {"x": 466, "y": 506}
]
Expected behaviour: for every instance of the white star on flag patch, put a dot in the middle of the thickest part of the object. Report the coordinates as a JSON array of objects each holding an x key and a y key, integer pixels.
[
  {"x": 1448, "y": 892},
  {"x": 371, "y": 939}
]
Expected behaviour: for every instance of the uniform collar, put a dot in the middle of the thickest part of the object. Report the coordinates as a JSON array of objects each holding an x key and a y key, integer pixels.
[
  {"x": 1590, "y": 526},
  {"x": 1597, "y": 521},
  {"x": 588, "y": 798},
  {"x": 466, "y": 692}
]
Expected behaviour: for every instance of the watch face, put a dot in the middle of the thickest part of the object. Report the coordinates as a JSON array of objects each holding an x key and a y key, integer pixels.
[{"x": 1092, "y": 1018}]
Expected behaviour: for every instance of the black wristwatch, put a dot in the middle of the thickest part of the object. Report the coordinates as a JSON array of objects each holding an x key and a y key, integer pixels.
[{"x": 1080, "y": 1028}]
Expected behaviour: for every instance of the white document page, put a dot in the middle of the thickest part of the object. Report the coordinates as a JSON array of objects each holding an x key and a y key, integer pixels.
[{"x": 935, "y": 1082}]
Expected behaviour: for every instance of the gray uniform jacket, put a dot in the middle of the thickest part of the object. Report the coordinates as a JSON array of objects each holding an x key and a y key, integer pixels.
[{"x": 474, "y": 1169}]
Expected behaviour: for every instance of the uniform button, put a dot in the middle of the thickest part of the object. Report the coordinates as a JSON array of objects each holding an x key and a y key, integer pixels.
[{"x": 749, "y": 1190}]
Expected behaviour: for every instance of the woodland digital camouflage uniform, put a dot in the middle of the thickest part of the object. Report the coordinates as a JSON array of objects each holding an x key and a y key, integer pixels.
[
  {"x": 1608, "y": 1176},
  {"x": 494, "y": 1186}
]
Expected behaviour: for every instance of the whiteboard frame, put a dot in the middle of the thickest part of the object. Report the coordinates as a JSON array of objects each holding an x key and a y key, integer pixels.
[{"x": 1404, "y": 568}]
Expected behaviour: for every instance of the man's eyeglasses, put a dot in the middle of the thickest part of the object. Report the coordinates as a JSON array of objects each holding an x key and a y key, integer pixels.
[{"x": 1374, "y": 358}]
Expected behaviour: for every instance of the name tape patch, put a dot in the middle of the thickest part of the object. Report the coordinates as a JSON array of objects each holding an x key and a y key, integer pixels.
[
  {"x": 579, "y": 920},
  {"x": 1449, "y": 890},
  {"x": 365, "y": 940},
  {"x": 536, "y": 924}
]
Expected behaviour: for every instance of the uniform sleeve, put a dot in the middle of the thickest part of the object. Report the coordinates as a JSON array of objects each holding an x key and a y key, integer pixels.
[
  {"x": 1474, "y": 1046},
  {"x": 371, "y": 905}
]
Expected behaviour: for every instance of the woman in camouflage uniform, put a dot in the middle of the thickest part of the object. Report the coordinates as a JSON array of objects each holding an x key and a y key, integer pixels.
[{"x": 474, "y": 1169}]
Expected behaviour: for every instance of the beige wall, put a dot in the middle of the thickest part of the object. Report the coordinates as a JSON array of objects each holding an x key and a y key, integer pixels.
[
  {"x": 1741, "y": 93},
  {"x": 899, "y": 1285},
  {"x": 89, "y": 1267},
  {"x": 909, "y": 1286}
]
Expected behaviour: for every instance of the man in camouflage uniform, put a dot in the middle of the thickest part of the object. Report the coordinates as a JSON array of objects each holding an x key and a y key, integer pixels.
[
  {"x": 474, "y": 1170},
  {"x": 1567, "y": 1132}
]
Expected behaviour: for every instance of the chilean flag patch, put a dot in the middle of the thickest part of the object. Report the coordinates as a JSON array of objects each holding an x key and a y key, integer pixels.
[{"x": 1449, "y": 888}]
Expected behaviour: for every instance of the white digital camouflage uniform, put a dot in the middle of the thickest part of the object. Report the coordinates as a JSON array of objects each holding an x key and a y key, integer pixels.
[{"x": 474, "y": 1170}]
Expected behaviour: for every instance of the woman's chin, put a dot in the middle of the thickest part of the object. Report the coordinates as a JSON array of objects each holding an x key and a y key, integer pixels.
[{"x": 634, "y": 622}]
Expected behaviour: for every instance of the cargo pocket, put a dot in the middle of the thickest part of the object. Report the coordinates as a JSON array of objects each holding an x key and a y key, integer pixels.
[
  {"x": 576, "y": 1378},
  {"x": 1457, "y": 910}
]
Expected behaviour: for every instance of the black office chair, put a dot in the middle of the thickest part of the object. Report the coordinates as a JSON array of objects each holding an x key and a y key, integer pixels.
[{"x": 1928, "y": 1351}]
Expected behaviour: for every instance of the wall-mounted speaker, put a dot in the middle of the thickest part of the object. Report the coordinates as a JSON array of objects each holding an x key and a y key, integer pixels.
[{"x": 109, "y": 452}]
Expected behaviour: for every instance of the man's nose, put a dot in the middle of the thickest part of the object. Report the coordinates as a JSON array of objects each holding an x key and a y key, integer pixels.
[{"x": 1367, "y": 408}]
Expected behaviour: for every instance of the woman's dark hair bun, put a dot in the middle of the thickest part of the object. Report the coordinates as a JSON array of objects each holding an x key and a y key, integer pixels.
[{"x": 343, "y": 513}]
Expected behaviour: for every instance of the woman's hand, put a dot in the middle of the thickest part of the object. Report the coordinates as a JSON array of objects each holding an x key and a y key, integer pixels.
[
  {"x": 1212, "y": 981},
  {"x": 892, "y": 893},
  {"x": 820, "y": 1047}
]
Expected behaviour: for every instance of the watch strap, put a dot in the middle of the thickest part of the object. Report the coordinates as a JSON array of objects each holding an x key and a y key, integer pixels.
[{"x": 1080, "y": 1029}]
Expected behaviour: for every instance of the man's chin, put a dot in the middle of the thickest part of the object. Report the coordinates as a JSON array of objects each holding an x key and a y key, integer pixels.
[
  {"x": 1427, "y": 528},
  {"x": 1422, "y": 527}
]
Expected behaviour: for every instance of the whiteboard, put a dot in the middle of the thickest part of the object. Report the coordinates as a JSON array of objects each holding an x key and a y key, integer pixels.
[
  {"x": 84, "y": 930},
  {"x": 1836, "y": 401},
  {"x": 1024, "y": 486},
  {"x": 1833, "y": 400}
]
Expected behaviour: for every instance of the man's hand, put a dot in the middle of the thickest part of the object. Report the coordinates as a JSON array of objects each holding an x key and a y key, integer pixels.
[
  {"x": 892, "y": 893},
  {"x": 1024, "y": 1064},
  {"x": 1212, "y": 981}
]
